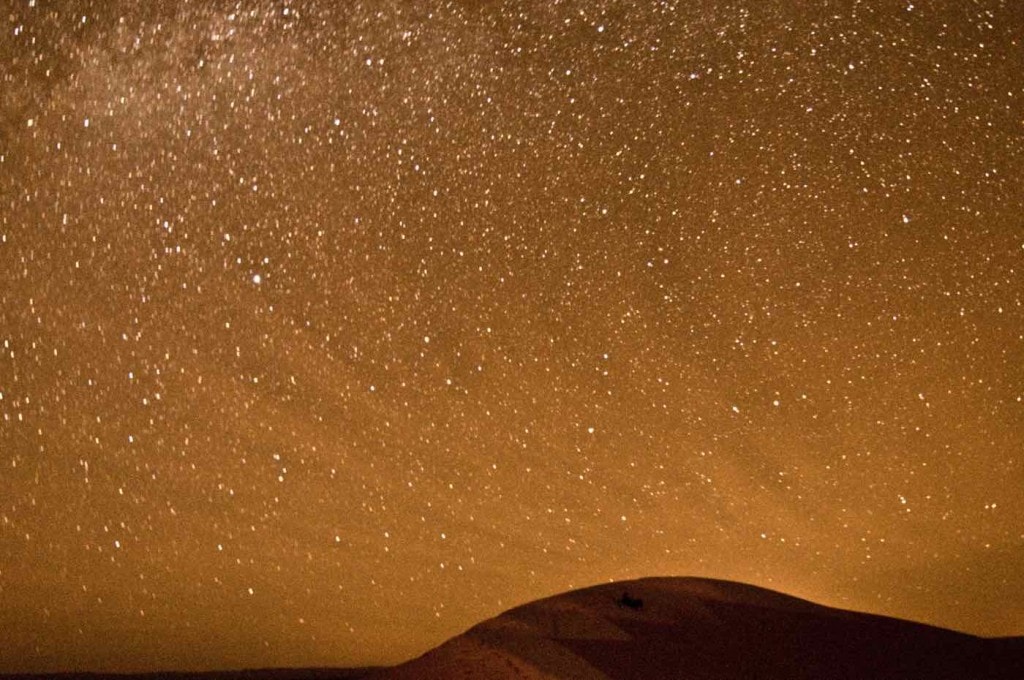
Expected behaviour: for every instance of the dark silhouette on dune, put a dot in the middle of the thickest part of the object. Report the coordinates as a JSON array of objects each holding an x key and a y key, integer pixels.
[{"x": 630, "y": 602}]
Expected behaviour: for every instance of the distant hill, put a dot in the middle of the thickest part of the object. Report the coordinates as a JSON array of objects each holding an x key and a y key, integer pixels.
[
  {"x": 253, "y": 674},
  {"x": 703, "y": 629}
]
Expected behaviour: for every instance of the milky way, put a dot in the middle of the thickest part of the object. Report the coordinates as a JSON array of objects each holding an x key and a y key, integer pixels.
[{"x": 330, "y": 329}]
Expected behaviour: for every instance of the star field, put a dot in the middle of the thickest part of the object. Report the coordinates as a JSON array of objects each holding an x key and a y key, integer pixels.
[{"x": 329, "y": 329}]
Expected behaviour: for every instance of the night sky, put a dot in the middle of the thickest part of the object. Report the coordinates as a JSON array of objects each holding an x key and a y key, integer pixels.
[{"x": 331, "y": 329}]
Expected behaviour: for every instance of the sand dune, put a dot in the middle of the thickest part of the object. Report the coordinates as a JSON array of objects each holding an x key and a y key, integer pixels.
[{"x": 701, "y": 629}]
